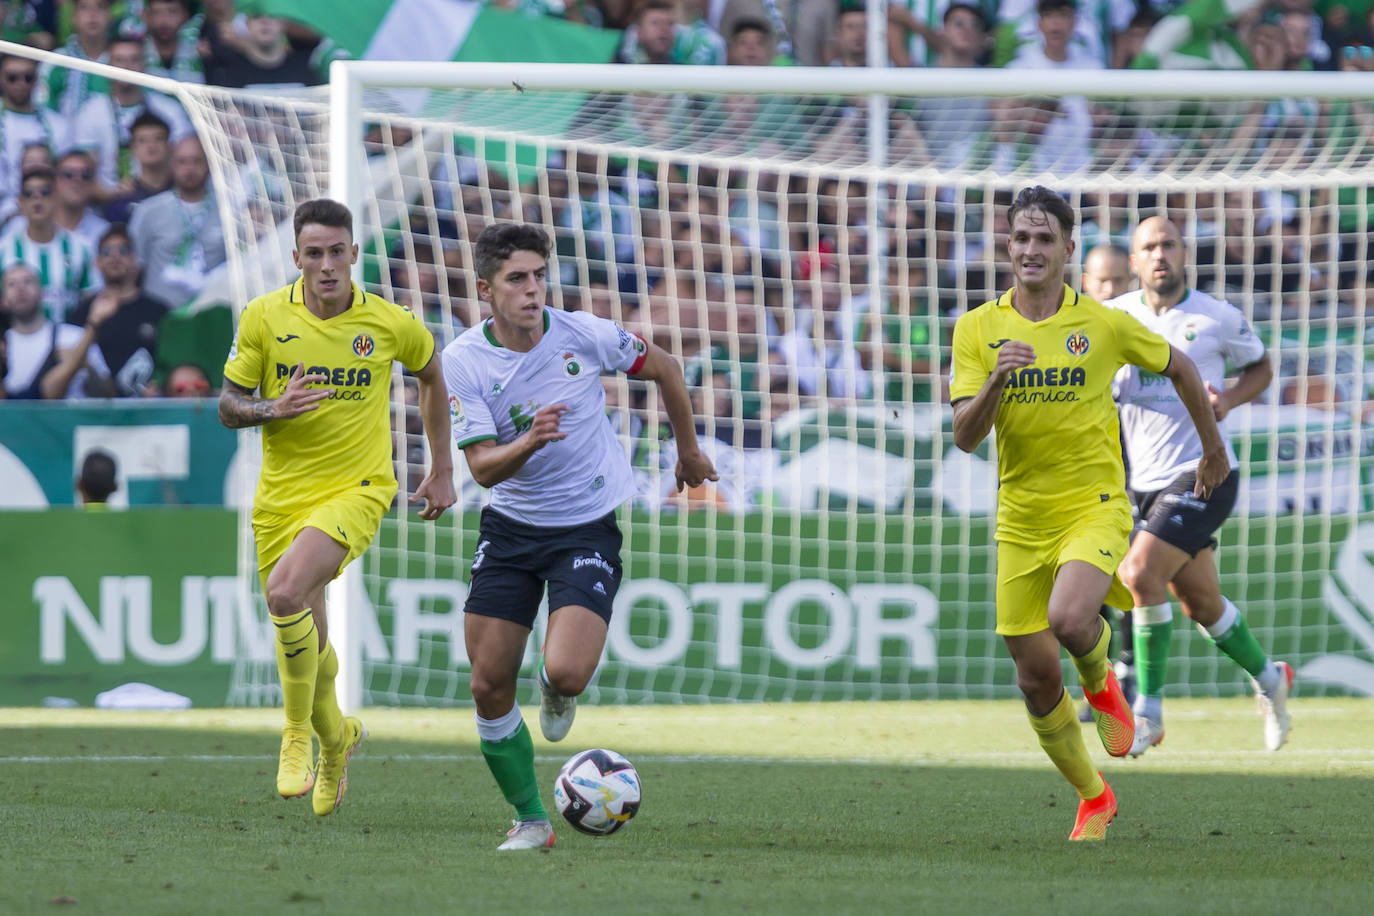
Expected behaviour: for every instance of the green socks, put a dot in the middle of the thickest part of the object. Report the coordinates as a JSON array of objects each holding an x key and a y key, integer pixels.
[
  {"x": 1154, "y": 628},
  {"x": 1231, "y": 635},
  {"x": 511, "y": 761}
]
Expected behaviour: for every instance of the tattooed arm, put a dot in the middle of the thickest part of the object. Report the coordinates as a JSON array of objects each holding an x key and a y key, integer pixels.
[{"x": 239, "y": 407}]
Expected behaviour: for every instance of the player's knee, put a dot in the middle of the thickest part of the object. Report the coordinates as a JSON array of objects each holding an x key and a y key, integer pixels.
[
  {"x": 489, "y": 691},
  {"x": 568, "y": 680},
  {"x": 1040, "y": 688},
  {"x": 1201, "y": 607},
  {"x": 283, "y": 598},
  {"x": 1146, "y": 587}
]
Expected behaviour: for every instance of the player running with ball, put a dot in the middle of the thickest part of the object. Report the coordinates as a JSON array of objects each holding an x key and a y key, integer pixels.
[
  {"x": 1038, "y": 364},
  {"x": 529, "y": 414}
]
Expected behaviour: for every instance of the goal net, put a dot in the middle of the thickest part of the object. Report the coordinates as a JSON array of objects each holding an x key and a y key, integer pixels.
[
  {"x": 810, "y": 294},
  {"x": 804, "y": 248}
]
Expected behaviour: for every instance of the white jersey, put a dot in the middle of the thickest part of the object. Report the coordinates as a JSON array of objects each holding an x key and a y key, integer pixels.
[
  {"x": 495, "y": 392},
  {"x": 1161, "y": 442}
]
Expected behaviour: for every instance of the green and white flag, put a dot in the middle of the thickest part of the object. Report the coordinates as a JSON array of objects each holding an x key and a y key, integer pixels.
[{"x": 450, "y": 30}]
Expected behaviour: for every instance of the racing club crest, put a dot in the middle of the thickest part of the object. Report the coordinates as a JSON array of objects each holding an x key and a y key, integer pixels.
[
  {"x": 1077, "y": 343},
  {"x": 363, "y": 345}
]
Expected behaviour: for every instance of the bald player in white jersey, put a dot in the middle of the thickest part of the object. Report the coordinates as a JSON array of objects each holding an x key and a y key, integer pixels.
[
  {"x": 1172, "y": 548},
  {"x": 529, "y": 414}
]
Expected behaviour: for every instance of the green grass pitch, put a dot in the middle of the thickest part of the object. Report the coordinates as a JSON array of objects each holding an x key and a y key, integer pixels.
[{"x": 945, "y": 807}]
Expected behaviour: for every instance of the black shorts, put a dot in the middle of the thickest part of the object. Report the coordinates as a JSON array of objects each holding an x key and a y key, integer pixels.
[
  {"x": 513, "y": 562},
  {"x": 1176, "y": 516}
]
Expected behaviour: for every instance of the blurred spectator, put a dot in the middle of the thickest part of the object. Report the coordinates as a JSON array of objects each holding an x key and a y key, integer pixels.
[
  {"x": 187, "y": 380},
  {"x": 738, "y": 368},
  {"x": 96, "y": 481},
  {"x": 151, "y": 149},
  {"x": 811, "y": 23},
  {"x": 75, "y": 178},
  {"x": 59, "y": 257},
  {"x": 657, "y": 37},
  {"x": 177, "y": 234},
  {"x": 22, "y": 123},
  {"x": 1095, "y": 22},
  {"x": 1016, "y": 135},
  {"x": 29, "y": 22},
  {"x": 821, "y": 350},
  {"x": 1052, "y": 48},
  {"x": 849, "y": 43},
  {"x": 264, "y": 58},
  {"x": 1198, "y": 35},
  {"x": 46, "y": 358},
  {"x": 952, "y": 125},
  {"x": 1070, "y": 132},
  {"x": 751, "y": 44},
  {"x": 172, "y": 33},
  {"x": 63, "y": 89},
  {"x": 772, "y": 13},
  {"x": 104, "y": 123},
  {"x": 1106, "y": 272},
  {"x": 1130, "y": 41},
  {"x": 903, "y": 347},
  {"x": 128, "y": 338},
  {"x": 913, "y": 31},
  {"x": 1307, "y": 33}
]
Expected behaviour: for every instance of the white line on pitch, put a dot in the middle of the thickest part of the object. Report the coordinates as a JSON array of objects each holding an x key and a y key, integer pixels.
[{"x": 1330, "y": 754}]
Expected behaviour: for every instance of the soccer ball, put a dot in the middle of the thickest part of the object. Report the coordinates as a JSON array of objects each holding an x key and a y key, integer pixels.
[{"x": 597, "y": 792}]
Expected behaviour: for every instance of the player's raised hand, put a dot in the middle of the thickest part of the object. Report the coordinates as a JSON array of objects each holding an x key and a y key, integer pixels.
[
  {"x": 693, "y": 468},
  {"x": 1219, "y": 406},
  {"x": 438, "y": 494},
  {"x": 297, "y": 398},
  {"x": 1013, "y": 355},
  {"x": 544, "y": 429}
]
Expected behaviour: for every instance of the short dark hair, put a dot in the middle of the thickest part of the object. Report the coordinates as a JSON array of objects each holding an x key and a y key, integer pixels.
[
  {"x": 38, "y": 171},
  {"x": 114, "y": 231},
  {"x": 148, "y": 119},
  {"x": 1039, "y": 197},
  {"x": 77, "y": 152},
  {"x": 1053, "y": 6},
  {"x": 323, "y": 212},
  {"x": 97, "y": 480},
  {"x": 751, "y": 24},
  {"x": 646, "y": 5},
  {"x": 978, "y": 14},
  {"x": 499, "y": 241}
]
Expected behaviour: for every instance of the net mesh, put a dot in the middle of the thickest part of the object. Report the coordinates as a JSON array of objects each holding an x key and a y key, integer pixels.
[{"x": 846, "y": 551}]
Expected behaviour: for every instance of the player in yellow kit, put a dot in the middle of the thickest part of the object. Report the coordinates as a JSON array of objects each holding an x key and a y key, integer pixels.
[
  {"x": 319, "y": 354},
  {"x": 1037, "y": 363}
]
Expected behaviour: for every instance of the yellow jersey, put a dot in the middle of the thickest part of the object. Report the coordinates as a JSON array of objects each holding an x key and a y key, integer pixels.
[
  {"x": 1058, "y": 440},
  {"x": 346, "y": 443}
]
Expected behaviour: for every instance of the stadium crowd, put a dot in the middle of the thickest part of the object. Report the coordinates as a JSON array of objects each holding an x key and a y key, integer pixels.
[{"x": 758, "y": 273}]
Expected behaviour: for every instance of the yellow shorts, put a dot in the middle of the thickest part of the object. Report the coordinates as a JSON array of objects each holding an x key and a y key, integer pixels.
[
  {"x": 350, "y": 517},
  {"x": 1025, "y": 572}
]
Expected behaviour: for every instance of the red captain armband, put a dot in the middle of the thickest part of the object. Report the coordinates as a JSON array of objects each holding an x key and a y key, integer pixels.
[{"x": 641, "y": 349}]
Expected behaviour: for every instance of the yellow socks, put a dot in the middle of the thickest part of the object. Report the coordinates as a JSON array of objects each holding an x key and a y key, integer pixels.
[
  {"x": 327, "y": 718},
  {"x": 1062, "y": 740},
  {"x": 298, "y": 655},
  {"x": 1092, "y": 668}
]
